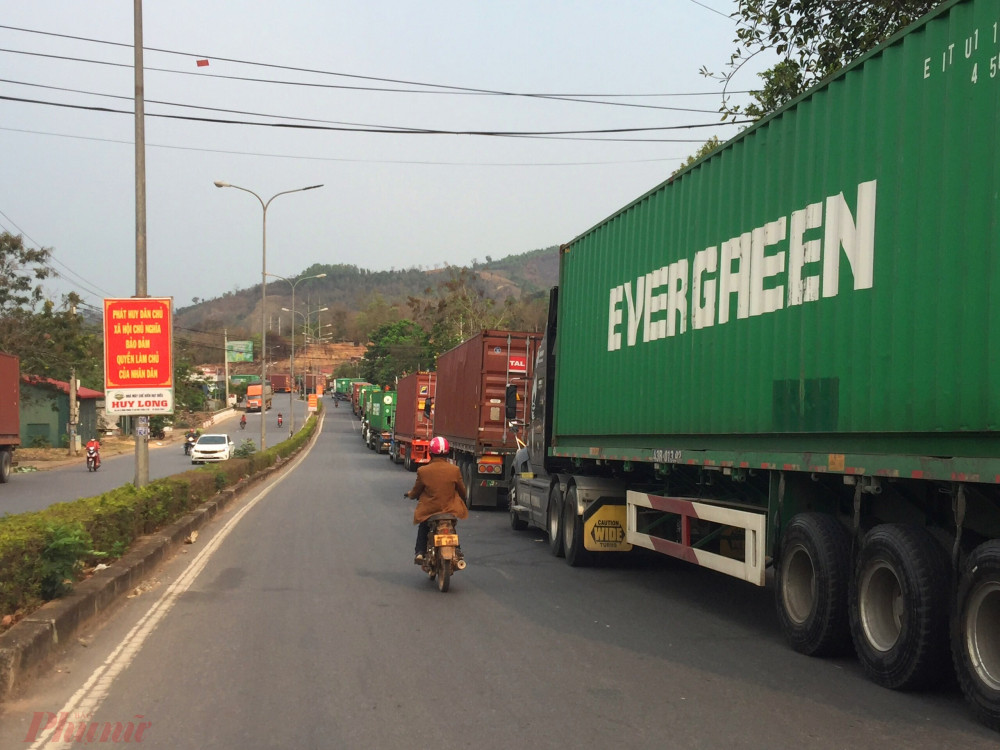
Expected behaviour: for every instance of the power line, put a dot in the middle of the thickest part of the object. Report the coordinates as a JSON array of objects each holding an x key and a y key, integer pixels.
[
  {"x": 384, "y": 130},
  {"x": 439, "y": 87},
  {"x": 78, "y": 279}
]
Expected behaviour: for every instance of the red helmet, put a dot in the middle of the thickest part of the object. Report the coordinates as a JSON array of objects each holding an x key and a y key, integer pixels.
[{"x": 439, "y": 446}]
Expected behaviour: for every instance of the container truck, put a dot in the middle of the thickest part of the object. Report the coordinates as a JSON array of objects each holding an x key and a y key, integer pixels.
[
  {"x": 363, "y": 400},
  {"x": 783, "y": 357},
  {"x": 356, "y": 397},
  {"x": 280, "y": 382},
  {"x": 10, "y": 415},
  {"x": 343, "y": 387},
  {"x": 480, "y": 407},
  {"x": 258, "y": 399},
  {"x": 414, "y": 425},
  {"x": 379, "y": 417}
]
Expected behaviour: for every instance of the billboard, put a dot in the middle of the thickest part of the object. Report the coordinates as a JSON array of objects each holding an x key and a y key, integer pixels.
[
  {"x": 138, "y": 356},
  {"x": 239, "y": 351}
]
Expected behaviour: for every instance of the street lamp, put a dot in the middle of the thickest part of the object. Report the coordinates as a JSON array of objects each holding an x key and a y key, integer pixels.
[
  {"x": 291, "y": 402},
  {"x": 263, "y": 296},
  {"x": 305, "y": 323}
]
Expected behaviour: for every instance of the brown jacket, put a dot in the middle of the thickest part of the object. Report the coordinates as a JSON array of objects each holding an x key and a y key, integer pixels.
[{"x": 440, "y": 489}]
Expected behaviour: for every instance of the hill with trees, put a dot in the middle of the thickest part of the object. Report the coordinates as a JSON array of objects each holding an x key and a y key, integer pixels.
[{"x": 349, "y": 303}]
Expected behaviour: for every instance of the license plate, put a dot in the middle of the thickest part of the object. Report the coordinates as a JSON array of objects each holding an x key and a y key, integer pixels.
[{"x": 446, "y": 540}]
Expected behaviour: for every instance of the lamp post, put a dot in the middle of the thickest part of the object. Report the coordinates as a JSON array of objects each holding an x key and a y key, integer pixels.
[
  {"x": 291, "y": 402},
  {"x": 263, "y": 296},
  {"x": 305, "y": 324}
]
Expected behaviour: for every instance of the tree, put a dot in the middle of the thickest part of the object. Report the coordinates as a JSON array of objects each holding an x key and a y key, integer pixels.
[
  {"x": 708, "y": 147},
  {"x": 457, "y": 309},
  {"x": 54, "y": 342},
  {"x": 21, "y": 268},
  {"x": 395, "y": 349},
  {"x": 815, "y": 38}
]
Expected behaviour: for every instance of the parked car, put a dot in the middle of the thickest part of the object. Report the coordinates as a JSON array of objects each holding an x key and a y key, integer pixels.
[{"x": 212, "y": 447}]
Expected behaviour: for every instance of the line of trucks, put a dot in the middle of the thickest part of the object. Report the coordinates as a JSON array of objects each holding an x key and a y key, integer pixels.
[{"x": 784, "y": 359}]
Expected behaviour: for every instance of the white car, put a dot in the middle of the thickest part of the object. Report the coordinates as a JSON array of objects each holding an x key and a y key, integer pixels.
[{"x": 212, "y": 448}]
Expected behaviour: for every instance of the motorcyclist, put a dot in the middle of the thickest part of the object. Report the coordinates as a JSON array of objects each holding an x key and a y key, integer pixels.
[
  {"x": 96, "y": 445},
  {"x": 439, "y": 489},
  {"x": 190, "y": 438},
  {"x": 280, "y": 419},
  {"x": 243, "y": 422}
]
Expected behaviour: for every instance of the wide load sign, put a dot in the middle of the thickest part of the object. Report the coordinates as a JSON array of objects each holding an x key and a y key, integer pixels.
[{"x": 138, "y": 356}]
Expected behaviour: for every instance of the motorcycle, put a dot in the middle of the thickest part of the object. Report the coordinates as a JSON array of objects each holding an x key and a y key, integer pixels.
[
  {"x": 280, "y": 420},
  {"x": 443, "y": 557},
  {"x": 243, "y": 423},
  {"x": 93, "y": 459},
  {"x": 189, "y": 443}
]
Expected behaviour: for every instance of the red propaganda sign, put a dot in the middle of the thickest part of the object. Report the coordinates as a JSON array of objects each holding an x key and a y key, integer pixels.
[
  {"x": 517, "y": 363},
  {"x": 138, "y": 361}
]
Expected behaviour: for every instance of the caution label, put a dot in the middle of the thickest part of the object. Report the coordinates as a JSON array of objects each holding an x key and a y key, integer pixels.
[{"x": 604, "y": 530}]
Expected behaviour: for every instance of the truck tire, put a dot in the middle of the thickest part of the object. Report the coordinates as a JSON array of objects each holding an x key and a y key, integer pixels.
[
  {"x": 516, "y": 522},
  {"x": 5, "y": 464},
  {"x": 975, "y": 638},
  {"x": 408, "y": 463},
  {"x": 553, "y": 514},
  {"x": 812, "y": 578},
  {"x": 469, "y": 474},
  {"x": 899, "y": 606},
  {"x": 577, "y": 555}
]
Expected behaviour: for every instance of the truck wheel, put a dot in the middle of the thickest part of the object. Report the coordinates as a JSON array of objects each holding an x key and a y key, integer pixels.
[
  {"x": 975, "y": 640},
  {"x": 899, "y": 605},
  {"x": 408, "y": 463},
  {"x": 812, "y": 578},
  {"x": 577, "y": 555},
  {"x": 5, "y": 463},
  {"x": 554, "y": 514},
  {"x": 516, "y": 522},
  {"x": 469, "y": 475}
]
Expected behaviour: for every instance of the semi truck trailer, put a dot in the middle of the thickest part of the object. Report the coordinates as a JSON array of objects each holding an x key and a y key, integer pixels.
[
  {"x": 280, "y": 382},
  {"x": 258, "y": 398},
  {"x": 10, "y": 421},
  {"x": 414, "y": 426},
  {"x": 783, "y": 358},
  {"x": 379, "y": 417},
  {"x": 480, "y": 407}
]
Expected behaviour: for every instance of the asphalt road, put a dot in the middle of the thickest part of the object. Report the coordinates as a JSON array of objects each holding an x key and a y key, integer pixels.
[
  {"x": 298, "y": 620},
  {"x": 38, "y": 490}
]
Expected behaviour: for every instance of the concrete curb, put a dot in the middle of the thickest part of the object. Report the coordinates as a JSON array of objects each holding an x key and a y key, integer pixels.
[{"x": 29, "y": 647}]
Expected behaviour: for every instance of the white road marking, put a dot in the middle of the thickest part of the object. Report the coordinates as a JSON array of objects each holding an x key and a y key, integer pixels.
[{"x": 92, "y": 693}]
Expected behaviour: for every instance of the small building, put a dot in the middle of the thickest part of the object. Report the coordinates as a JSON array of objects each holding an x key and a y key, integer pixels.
[{"x": 45, "y": 411}]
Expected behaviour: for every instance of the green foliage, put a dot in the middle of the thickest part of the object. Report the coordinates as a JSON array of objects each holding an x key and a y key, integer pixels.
[
  {"x": 396, "y": 348},
  {"x": 246, "y": 449},
  {"x": 66, "y": 545},
  {"x": 188, "y": 393},
  {"x": 708, "y": 147},
  {"x": 40, "y": 441},
  {"x": 21, "y": 268},
  {"x": 53, "y": 342},
  {"x": 815, "y": 39}
]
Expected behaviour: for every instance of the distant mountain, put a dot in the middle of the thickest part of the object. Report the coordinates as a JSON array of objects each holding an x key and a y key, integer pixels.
[{"x": 348, "y": 290}]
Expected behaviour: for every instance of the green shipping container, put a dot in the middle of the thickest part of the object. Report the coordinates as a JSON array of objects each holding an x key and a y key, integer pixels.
[
  {"x": 826, "y": 281},
  {"x": 382, "y": 410}
]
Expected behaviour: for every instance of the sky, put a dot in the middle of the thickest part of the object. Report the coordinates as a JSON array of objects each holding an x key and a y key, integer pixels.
[{"x": 389, "y": 199}]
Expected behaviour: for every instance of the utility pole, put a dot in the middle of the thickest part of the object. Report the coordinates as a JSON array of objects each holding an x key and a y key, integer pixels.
[{"x": 142, "y": 433}]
